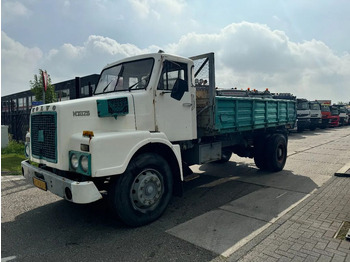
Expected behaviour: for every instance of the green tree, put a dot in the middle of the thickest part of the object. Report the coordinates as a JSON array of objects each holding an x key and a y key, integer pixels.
[{"x": 37, "y": 87}]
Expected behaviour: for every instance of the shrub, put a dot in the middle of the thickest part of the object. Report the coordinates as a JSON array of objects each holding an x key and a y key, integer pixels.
[{"x": 13, "y": 147}]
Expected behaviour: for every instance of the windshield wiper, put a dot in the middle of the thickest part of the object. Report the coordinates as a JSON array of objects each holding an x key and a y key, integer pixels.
[
  {"x": 120, "y": 74},
  {"x": 145, "y": 79},
  {"x": 104, "y": 89}
]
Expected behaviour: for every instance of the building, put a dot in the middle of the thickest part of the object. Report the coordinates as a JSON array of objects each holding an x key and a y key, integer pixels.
[{"x": 15, "y": 108}]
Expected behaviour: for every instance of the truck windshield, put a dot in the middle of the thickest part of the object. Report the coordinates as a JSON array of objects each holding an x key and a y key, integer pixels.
[
  {"x": 125, "y": 77},
  {"x": 314, "y": 106},
  {"x": 303, "y": 106},
  {"x": 335, "y": 112},
  {"x": 325, "y": 109},
  {"x": 342, "y": 110}
]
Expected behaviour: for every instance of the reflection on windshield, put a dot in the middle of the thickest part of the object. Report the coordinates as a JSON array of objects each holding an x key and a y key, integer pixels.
[
  {"x": 314, "y": 106},
  {"x": 303, "y": 106},
  {"x": 326, "y": 109},
  {"x": 335, "y": 112},
  {"x": 125, "y": 77}
]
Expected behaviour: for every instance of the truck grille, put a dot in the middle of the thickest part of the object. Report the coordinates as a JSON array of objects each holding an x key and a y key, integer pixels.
[{"x": 44, "y": 136}]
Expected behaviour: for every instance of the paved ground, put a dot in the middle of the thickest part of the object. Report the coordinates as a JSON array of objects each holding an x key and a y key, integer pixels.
[
  {"x": 241, "y": 229},
  {"x": 307, "y": 232},
  {"x": 232, "y": 212}
]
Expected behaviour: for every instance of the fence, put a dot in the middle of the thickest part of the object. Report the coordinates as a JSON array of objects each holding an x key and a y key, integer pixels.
[{"x": 15, "y": 108}]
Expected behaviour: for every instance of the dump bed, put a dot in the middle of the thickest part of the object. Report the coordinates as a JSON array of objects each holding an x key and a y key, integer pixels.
[
  {"x": 237, "y": 114},
  {"x": 222, "y": 111}
]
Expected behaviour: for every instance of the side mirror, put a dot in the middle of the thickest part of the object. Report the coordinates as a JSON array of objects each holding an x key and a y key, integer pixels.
[{"x": 179, "y": 89}]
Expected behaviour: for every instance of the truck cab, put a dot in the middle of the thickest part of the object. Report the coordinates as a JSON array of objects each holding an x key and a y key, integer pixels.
[
  {"x": 303, "y": 114},
  {"x": 315, "y": 115},
  {"x": 334, "y": 116},
  {"x": 326, "y": 115},
  {"x": 343, "y": 115}
]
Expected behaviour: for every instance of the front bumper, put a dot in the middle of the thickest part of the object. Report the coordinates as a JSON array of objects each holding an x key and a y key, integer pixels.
[
  {"x": 76, "y": 192},
  {"x": 316, "y": 121},
  {"x": 303, "y": 123}
]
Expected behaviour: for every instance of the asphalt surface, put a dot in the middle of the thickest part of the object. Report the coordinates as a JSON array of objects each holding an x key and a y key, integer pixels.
[{"x": 224, "y": 210}]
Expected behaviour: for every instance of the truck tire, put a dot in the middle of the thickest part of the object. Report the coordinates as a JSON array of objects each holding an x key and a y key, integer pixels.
[
  {"x": 142, "y": 193},
  {"x": 276, "y": 153},
  {"x": 260, "y": 154}
]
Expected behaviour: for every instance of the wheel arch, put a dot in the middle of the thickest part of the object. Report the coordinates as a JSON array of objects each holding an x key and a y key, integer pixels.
[{"x": 169, "y": 155}]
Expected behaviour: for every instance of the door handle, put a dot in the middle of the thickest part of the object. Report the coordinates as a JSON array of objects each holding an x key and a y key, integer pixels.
[{"x": 187, "y": 104}]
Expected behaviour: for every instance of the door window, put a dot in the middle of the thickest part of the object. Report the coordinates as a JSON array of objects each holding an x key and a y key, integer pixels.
[{"x": 170, "y": 73}]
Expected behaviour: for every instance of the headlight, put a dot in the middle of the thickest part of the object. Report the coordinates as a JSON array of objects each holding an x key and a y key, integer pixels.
[
  {"x": 74, "y": 161},
  {"x": 26, "y": 149},
  {"x": 84, "y": 163},
  {"x": 80, "y": 162}
]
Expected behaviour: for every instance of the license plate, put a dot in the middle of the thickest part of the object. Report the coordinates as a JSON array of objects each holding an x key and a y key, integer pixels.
[{"x": 39, "y": 183}]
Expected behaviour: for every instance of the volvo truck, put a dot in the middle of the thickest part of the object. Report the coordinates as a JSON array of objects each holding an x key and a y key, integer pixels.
[{"x": 151, "y": 117}]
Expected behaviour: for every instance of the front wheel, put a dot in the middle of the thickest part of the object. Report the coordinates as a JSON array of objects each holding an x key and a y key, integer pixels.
[{"x": 142, "y": 193}]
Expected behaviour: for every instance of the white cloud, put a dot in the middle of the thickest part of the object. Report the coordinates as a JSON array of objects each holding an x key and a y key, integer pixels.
[
  {"x": 247, "y": 55},
  {"x": 69, "y": 61},
  {"x": 253, "y": 55},
  {"x": 18, "y": 65},
  {"x": 145, "y": 8},
  {"x": 12, "y": 10}
]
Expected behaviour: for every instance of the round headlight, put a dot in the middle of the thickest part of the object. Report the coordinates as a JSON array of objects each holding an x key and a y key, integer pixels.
[
  {"x": 26, "y": 148},
  {"x": 84, "y": 163},
  {"x": 74, "y": 161}
]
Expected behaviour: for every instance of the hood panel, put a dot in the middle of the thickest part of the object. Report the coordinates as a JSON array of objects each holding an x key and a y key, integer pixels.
[{"x": 68, "y": 118}]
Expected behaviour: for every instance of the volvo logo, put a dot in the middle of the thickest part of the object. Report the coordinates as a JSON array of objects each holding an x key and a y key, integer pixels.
[
  {"x": 42, "y": 108},
  {"x": 81, "y": 113}
]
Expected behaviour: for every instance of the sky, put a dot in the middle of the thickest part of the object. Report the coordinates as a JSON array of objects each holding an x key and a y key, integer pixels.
[{"x": 296, "y": 46}]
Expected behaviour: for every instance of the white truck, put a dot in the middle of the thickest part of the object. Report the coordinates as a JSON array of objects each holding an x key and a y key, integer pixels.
[
  {"x": 343, "y": 115},
  {"x": 315, "y": 115},
  {"x": 303, "y": 114},
  {"x": 151, "y": 117}
]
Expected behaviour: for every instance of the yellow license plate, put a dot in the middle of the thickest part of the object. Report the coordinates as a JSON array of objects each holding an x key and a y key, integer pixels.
[{"x": 39, "y": 183}]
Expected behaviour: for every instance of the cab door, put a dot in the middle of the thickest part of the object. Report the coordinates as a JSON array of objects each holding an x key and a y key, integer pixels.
[{"x": 175, "y": 103}]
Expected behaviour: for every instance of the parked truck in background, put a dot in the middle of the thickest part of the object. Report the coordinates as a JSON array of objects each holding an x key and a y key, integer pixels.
[
  {"x": 334, "y": 116},
  {"x": 315, "y": 115},
  {"x": 303, "y": 114},
  {"x": 326, "y": 112},
  {"x": 343, "y": 115},
  {"x": 151, "y": 117}
]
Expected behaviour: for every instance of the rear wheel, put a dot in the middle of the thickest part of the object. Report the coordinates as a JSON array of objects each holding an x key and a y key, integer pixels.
[
  {"x": 260, "y": 154},
  {"x": 276, "y": 154},
  {"x": 142, "y": 193}
]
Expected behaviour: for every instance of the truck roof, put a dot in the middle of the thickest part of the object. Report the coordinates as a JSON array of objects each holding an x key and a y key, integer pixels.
[
  {"x": 299, "y": 100},
  {"x": 150, "y": 55}
]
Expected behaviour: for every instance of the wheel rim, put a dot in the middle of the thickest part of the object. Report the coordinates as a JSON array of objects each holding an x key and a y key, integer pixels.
[
  {"x": 280, "y": 153},
  {"x": 147, "y": 190}
]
